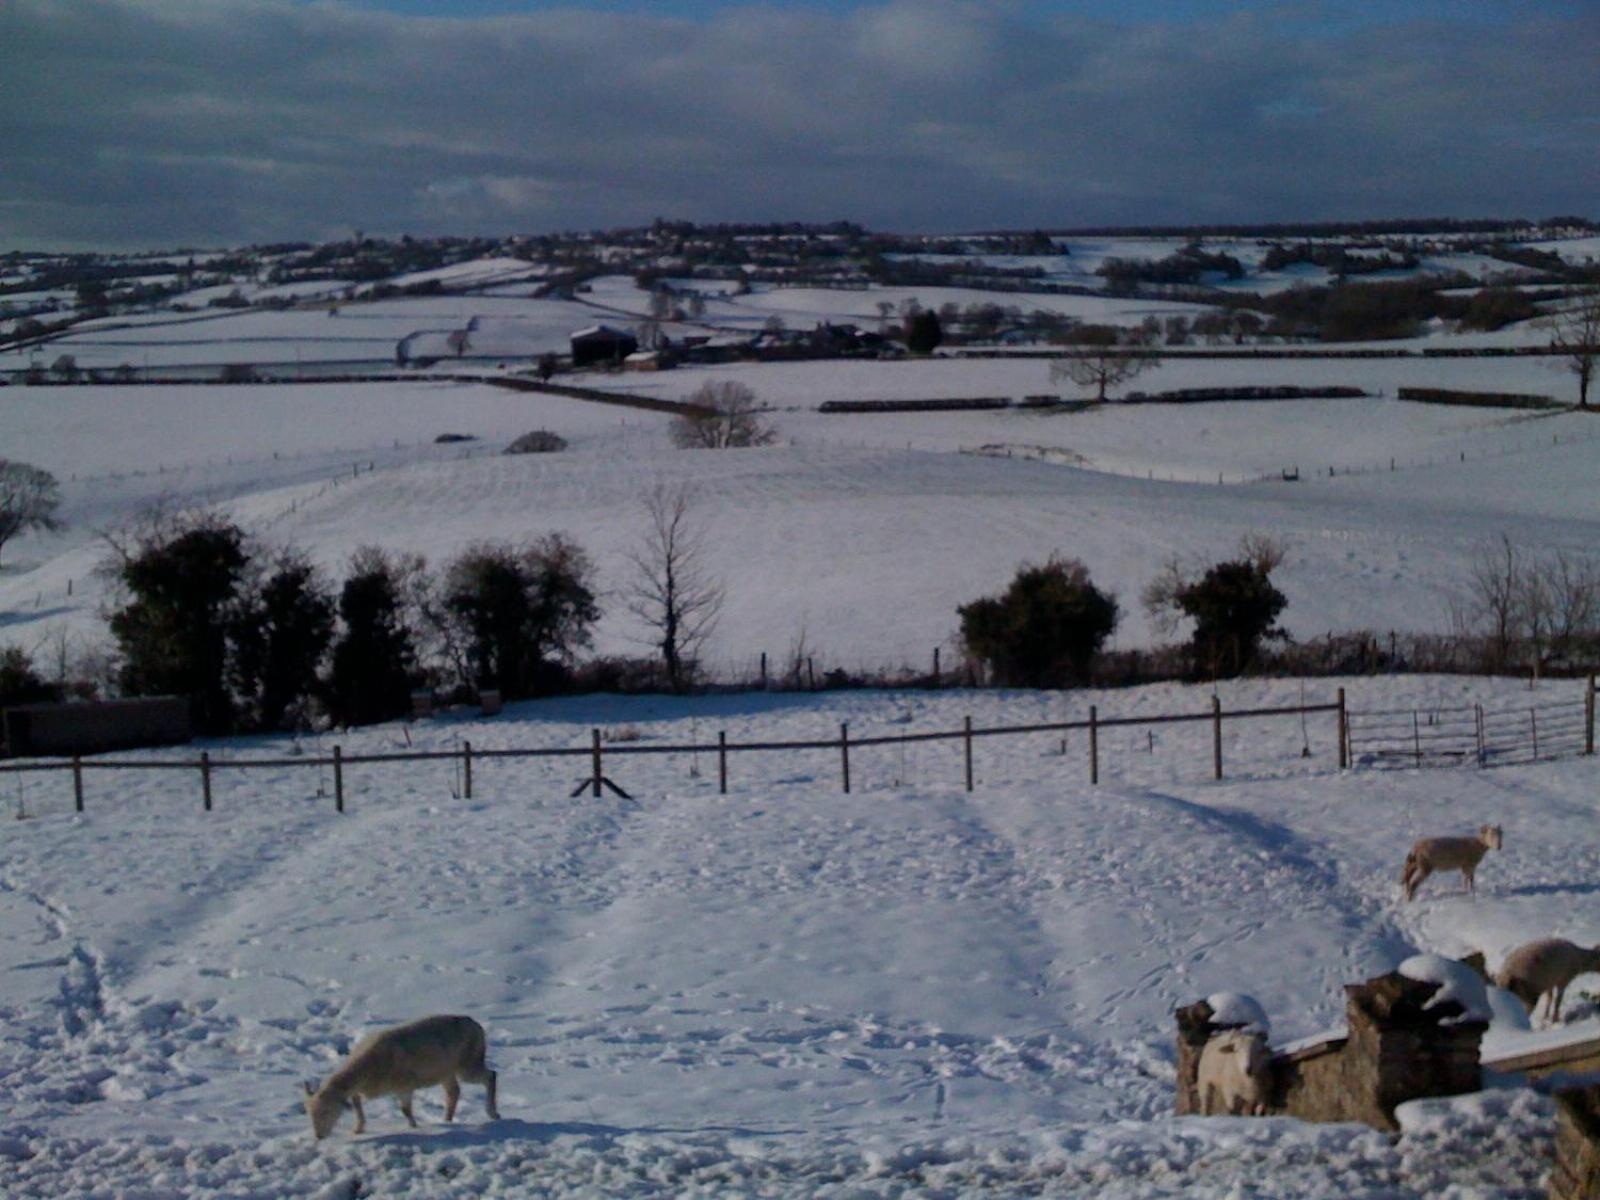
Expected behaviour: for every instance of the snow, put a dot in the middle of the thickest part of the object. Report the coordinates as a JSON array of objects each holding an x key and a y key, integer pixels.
[
  {"x": 478, "y": 272},
  {"x": 780, "y": 991},
  {"x": 1235, "y": 1008},
  {"x": 1458, "y": 984},
  {"x": 872, "y": 508},
  {"x": 906, "y": 990}
]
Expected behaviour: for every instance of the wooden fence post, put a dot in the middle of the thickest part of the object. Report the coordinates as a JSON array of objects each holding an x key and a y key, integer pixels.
[
  {"x": 595, "y": 742},
  {"x": 77, "y": 783},
  {"x": 1416, "y": 737},
  {"x": 844, "y": 754},
  {"x": 466, "y": 770},
  {"x": 1533, "y": 727},
  {"x": 338, "y": 779},
  {"x": 763, "y": 670},
  {"x": 1344, "y": 734},
  {"x": 1216, "y": 735},
  {"x": 722, "y": 762},
  {"x": 1589, "y": 717},
  {"x": 966, "y": 740},
  {"x": 1094, "y": 744},
  {"x": 936, "y": 666},
  {"x": 205, "y": 777}
]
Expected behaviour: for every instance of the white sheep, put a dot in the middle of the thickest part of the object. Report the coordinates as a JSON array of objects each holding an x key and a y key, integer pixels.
[
  {"x": 1447, "y": 854},
  {"x": 1235, "y": 1074},
  {"x": 398, "y": 1061},
  {"x": 1544, "y": 969}
]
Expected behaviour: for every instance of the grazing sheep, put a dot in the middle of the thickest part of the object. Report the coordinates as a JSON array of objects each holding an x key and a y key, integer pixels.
[
  {"x": 1447, "y": 854},
  {"x": 1545, "y": 968},
  {"x": 1235, "y": 1074},
  {"x": 398, "y": 1061}
]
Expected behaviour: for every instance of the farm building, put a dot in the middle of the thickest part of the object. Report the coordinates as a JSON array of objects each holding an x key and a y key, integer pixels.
[{"x": 601, "y": 343}]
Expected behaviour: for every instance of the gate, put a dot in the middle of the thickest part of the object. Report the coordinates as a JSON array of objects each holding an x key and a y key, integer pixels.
[{"x": 1453, "y": 736}]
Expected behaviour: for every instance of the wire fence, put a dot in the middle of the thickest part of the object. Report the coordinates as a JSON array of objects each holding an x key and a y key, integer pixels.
[
  {"x": 598, "y": 752},
  {"x": 1472, "y": 734},
  {"x": 1440, "y": 736}
]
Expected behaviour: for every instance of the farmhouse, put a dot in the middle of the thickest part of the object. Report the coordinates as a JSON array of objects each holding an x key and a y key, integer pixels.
[{"x": 601, "y": 343}]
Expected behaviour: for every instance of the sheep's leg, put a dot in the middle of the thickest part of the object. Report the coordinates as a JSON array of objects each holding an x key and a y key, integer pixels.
[
  {"x": 1466, "y": 873},
  {"x": 361, "y": 1113},
  {"x": 482, "y": 1074},
  {"x": 1417, "y": 878},
  {"x": 1559, "y": 994},
  {"x": 405, "y": 1107},
  {"x": 452, "y": 1096}
]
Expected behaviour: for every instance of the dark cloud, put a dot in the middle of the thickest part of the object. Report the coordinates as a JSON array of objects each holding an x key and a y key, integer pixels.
[{"x": 149, "y": 122}]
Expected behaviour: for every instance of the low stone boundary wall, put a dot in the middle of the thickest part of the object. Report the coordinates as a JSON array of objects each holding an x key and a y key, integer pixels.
[
  {"x": 1576, "y": 1175},
  {"x": 1424, "y": 395},
  {"x": 1396, "y": 1049},
  {"x": 974, "y": 403},
  {"x": 94, "y": 727}
]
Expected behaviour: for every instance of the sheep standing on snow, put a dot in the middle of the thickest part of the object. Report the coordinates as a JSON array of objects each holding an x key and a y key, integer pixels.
[
  {"x": 1447, "y": 854},
  {"x": 398, "y": 1061},
  {"x": 1235, "y": 1074},
  {"x": 1545, "y": 968}
]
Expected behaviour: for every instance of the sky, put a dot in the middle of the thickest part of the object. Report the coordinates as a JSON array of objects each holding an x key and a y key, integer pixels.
[{"x": 130, "y": 124}]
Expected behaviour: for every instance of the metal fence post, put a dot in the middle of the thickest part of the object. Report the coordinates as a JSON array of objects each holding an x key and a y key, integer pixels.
[
  {"x": 1094, "y": 744},
  {"x": 1216, "y": 735},
  {"x": 844, "y": 754},
  {"x": 77, "y": 783},
  {"x": 595, "y": 742},
  {"x": 466, "y": 770},
  {"x": 966, "y": 746},
  {"x": 1588, "y": 718},
  {"x": 722, "y": 762},
  {"x": 338, "y": 779},
  {"x": 205, "y": 777},
  {"x": 1344, "y": 733}
]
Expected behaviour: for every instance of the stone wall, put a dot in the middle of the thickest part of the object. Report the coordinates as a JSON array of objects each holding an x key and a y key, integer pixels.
[
  {"x": 1577, "y": 1171},
  {"x": 1396, "y": 1050},
  {"x": 95, "y": 727}
]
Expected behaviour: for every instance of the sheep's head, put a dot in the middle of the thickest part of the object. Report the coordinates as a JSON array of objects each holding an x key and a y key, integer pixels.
[
  {"x": 325, "y": 1111},
  {"x": 1491, "y": 836}
]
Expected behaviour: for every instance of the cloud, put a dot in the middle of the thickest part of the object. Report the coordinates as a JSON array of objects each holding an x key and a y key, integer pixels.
[{"x": 152, "y": 122}]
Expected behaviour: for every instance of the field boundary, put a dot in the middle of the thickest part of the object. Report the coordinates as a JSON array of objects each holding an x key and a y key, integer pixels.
[
  {"x": 598, "y": 750},
  {"x": 1374, "y": 738},
  {"x": 1463, "y": 734}
]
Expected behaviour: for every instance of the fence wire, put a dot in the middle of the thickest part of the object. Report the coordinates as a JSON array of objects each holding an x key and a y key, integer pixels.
[{"x": 1461, "y": 734}]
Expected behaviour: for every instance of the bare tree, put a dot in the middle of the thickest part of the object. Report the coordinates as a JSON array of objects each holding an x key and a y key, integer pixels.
[
  {"x": 1571, "y": 584},
  {"x": 1494, "y": 607},
  {"x": 1575, "y": 336},
  {"x": 1515, "y": 600},
  {"x": 670, "y": 591},
  {"x": 721, "y": 415},
  {"x": 29, "y": 497},
  {"x": 1101, "y": 361}
]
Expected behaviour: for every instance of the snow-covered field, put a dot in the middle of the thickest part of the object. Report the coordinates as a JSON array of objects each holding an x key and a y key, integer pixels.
[
  {"x": 785, "y": 991},
  {"x": 862, "y": 533},
  {"x": 788, "y": 991}
]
